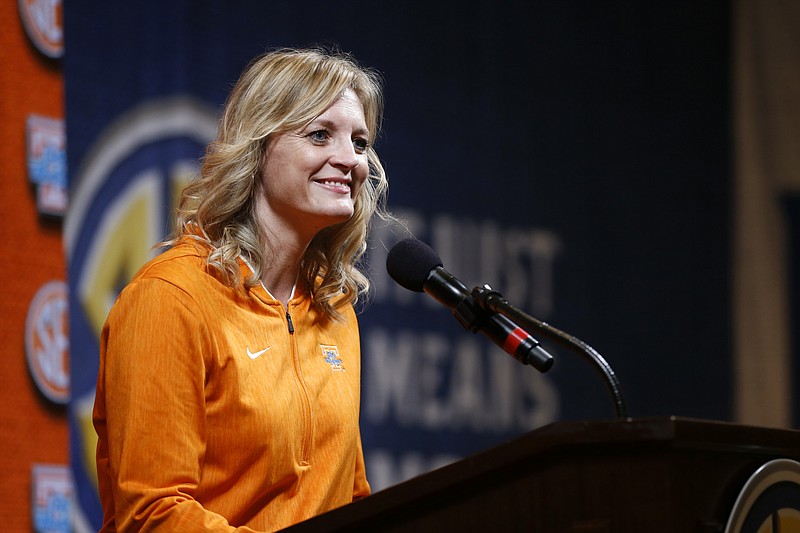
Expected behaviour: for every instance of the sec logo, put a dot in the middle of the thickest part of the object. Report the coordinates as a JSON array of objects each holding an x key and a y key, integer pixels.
[
  {"x": 769, "y": 502},
  {"x": 123, "y": 199},
  {"x": 47, "y": 341},
  {"x": 43, "y": 23}
]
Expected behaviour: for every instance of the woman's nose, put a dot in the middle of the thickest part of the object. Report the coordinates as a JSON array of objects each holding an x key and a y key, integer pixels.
[{"x": 344, "y": 155}]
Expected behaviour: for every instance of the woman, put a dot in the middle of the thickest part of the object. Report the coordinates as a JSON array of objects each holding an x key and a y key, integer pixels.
[{"x": 228, "y": 392}]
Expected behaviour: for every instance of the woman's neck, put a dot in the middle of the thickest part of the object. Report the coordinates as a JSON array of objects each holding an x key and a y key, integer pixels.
[
  {"x": 280, "y": 282},
  {"x": 283, "y": 258},
  {"x": 284, "y": 245}
]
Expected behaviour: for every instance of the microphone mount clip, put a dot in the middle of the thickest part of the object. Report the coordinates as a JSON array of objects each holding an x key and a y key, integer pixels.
[{"x": 491, "y": 301}]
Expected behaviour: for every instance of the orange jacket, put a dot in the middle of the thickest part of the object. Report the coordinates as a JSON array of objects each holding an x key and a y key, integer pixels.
[{"x": 214, "y": 414}]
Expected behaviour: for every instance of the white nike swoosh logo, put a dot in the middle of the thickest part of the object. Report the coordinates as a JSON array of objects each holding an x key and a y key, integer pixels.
[{"x": 253, "y": 355}]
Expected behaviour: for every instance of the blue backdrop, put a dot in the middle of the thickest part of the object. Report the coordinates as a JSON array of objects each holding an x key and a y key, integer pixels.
[{"x": 574, "y": 155}]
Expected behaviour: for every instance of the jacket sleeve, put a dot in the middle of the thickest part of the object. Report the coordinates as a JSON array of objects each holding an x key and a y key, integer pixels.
[{"x": 150, "y": 412}]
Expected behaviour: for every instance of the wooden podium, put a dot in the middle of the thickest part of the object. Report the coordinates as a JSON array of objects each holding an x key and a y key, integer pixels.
[{"x": 670, "y": 475}]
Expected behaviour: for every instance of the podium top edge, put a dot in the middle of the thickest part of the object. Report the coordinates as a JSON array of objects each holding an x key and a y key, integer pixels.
[{"x": 569, "y": 441}]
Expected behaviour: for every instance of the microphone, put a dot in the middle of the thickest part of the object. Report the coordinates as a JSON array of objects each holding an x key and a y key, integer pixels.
[{"x": 415, "y": 266}]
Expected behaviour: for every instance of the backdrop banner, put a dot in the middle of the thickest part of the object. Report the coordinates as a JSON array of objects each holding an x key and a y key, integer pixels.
[{"x": 572, "y": 157}]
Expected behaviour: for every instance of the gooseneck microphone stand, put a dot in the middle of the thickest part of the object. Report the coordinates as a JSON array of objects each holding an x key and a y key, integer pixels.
[{"x": 492, "y": 301}]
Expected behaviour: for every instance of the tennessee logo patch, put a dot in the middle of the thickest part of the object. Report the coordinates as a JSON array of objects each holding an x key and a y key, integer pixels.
[{"x": 331, "y": 356}]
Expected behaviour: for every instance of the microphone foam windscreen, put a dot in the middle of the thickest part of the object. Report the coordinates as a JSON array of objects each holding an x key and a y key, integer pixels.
[{"x": 410, "y": 261}]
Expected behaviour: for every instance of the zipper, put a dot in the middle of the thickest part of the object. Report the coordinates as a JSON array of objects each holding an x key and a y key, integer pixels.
[{"x": 307, "y": 415}]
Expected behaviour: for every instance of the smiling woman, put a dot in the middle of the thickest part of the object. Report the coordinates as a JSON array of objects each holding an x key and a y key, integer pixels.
[
  {"x": 284, "y": 95},
  {"x": 229, "y": 385},
  {"x": 310, "y": 179}
]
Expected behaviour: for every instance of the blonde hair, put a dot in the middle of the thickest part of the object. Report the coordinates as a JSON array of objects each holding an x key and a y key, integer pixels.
[{"x": 278, "y": 92}]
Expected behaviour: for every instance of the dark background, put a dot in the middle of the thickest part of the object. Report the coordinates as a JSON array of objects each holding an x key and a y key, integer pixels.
[{"x": 606, "y": 123}]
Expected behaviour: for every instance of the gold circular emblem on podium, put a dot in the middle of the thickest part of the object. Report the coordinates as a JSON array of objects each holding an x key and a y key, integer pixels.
[{"x": 769, "y": 502}]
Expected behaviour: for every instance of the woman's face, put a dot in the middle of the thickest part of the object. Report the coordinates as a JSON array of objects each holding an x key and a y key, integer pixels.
[{"x": 311, "y": 178}]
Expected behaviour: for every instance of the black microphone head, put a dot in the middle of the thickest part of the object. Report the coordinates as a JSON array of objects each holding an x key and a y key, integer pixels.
[{"x": 410, "y": 261}]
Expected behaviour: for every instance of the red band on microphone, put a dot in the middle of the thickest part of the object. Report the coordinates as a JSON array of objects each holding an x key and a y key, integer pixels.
[{"x": 514, "y": 339}]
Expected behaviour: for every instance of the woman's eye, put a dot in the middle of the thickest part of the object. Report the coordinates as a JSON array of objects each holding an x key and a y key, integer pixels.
[
  {"x": 361, "y": 145},
  {"x": 318, "y": 136}
]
